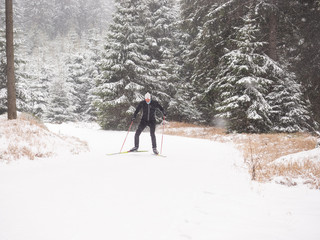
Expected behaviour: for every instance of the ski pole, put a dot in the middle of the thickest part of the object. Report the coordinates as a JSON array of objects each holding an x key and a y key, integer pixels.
[
  {"x": 126, "y": 136},
  {"x": 162, "y": 133}
]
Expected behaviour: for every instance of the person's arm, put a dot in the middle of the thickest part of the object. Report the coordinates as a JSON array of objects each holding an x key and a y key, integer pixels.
[
  {"x": 161, "y": 109},
  {"x": 137, "y": 110}
]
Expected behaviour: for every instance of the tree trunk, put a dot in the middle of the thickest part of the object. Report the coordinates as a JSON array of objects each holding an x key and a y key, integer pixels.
[{"x": 12, "y": 109}]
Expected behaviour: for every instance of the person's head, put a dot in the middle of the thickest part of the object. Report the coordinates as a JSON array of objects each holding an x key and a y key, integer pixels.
[{"x": 147, "y": 97}]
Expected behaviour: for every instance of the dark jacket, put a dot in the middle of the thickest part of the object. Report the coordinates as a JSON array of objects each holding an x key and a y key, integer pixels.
[{"x": 148, "y": 110}]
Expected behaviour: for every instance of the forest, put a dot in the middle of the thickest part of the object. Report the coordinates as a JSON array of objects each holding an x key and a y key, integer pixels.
[{"x": 246, "y": 65}]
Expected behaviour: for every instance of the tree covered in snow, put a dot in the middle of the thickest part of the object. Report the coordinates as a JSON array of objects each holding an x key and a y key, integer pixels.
[
  {"x": 290, "y": 111},
  {"x": 38, "y": 84},
  {"x": 243, "y": 82},
  {"x": 305, "y": 50},
  {"x": 138, "y": 58},
  {"x": 255, "y": 93},
  {"x": 160, "y": 31},
  {"x": 80, "y": 85},
  {"x": 181, "y": 106},
  {"x": 285, "y": 36},
  {"x": 124, "y": 75},
  {"x": 208, "y": 25},
  {"x": 94, "y": 58},
  {"x": 75, "y": 62},
  {"x": 195, "y": 56},
  {"x": 233, "y": 64},
  {"x": 166, "y": 44},
  {"x": 205, "y": 60},
  {"x": 58, "y": 17},
  {"x": 60, "y": 108},
  {"x": 76, "y": 78}
]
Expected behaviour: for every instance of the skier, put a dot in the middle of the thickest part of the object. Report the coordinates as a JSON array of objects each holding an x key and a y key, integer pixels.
[{"x": 148, "y": 119}]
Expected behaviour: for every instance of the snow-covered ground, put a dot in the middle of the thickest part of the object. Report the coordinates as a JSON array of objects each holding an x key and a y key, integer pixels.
[{"x": 200, "y": 191}]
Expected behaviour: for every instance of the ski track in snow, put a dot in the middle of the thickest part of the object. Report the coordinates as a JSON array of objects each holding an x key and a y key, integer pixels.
[{"x": 200, "y": 191}]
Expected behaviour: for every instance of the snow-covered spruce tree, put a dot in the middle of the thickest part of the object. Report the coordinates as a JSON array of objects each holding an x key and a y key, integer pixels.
[
  {"x": 95, "y": 42},
  {"x": 38, "y": 18},
  {"x": 126, "y": 69},
  {"x": 196, "y": 57},
  {"x": 39, "y": 81},
  {"x": 181, "y": 107},
  {"x": 243, "y": 82},
  {"x": 172, "y": 43},
  {"x": 78, "y": 80},
  {"x": 290, "y": 111},
  {"x": 60, "y": 108},
  {"x": 161, "y": 36},
  {"x": 305, "y": 61},
  {"x": 281, "y": 21}
]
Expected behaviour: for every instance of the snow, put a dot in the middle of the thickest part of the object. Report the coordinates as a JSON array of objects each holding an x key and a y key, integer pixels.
[
  {"x": 300, "y": 157},
  {"x": 200, "y": 191}
]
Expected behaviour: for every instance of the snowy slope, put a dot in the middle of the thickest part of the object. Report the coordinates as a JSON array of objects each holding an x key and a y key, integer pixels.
[{"x": 200, "y": 191}]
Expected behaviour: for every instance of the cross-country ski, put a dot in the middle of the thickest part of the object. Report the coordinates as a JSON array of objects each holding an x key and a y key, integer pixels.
[{"x": 124, "y": 152}]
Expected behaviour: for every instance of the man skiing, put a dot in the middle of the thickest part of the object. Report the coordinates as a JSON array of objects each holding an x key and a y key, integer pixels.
[{"x": 148, "y": 119}]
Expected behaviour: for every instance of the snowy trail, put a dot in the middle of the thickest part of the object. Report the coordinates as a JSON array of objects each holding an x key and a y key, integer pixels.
[{"x": 199, "y": 191}]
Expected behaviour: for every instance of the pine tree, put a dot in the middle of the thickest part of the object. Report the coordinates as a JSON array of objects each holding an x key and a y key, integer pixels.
[
  {"x": 242, "y": 83},
  {"x": 63, "y": 16},
  {"x": 78, "y": 79},
  {"x": 306, "y": 58},
  {"x": 38, "y": 96},
  {"x": 208, "y": 24},
  {"x": 38, "y": 17},
  {"x": 60, "y": 108},
  {"x": 290, "y": 111},
  {"x": 193, "y": 18},
  {"x": 125, "y": 75},
  {"x": 161, "y": 31},
  {"x": 93, "y": 70},
  {"x": 256, "y": 93},
  {"x": 281, "y": 21}
]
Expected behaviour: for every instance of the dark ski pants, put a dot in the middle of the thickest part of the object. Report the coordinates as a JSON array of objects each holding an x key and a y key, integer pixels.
[{"x": 143, "y": 124}]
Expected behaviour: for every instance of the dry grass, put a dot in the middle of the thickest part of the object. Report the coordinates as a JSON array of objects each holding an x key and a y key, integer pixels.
[
  {"x": 27, "y": 137},
  {"x": 260, "y": 150},
  {"x": 23, "y": 140},
  {"x": 307, "y": 170},
  {"x": 32, "y": 120},
  {"x": 191, "y": 130},
  {"x": 274, "y": 146}
]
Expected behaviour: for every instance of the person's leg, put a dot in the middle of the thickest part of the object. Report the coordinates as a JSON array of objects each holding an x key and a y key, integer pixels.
[
  {"x": 152, "y": 126},
  {"x": 141, "y": 127}
]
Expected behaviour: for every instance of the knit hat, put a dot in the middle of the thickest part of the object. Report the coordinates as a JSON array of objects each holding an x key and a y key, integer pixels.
[{"x": 147, "y": 97}]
